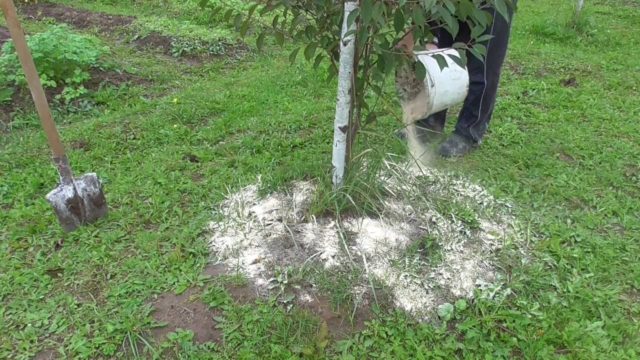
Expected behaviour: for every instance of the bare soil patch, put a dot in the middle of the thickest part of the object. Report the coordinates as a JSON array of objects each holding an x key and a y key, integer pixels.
[
  {"x": 81, "y": 144},
  {"x": 155, "y": 41},
  {"x": 186, "y": 312},
  {"x": 113, "y": 78},
  {"x": 566, "y": 158},
  {"x": 82, "y": 19},
  {"x": 570, "y": 82},
  {"x": 47, "y": 354}
]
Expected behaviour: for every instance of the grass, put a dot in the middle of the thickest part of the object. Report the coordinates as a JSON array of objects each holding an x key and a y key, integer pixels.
[{"x": 564, "y": 151}]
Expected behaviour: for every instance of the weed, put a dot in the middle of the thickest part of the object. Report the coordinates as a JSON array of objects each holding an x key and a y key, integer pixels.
[
  {"x": 189, "y": 47},
  {"x": 64, "y": 59},
  {"x": 426, "y": 249}
]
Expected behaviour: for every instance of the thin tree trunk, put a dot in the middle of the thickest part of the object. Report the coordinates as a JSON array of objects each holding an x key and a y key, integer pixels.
[{"x": 344, "y": 102}]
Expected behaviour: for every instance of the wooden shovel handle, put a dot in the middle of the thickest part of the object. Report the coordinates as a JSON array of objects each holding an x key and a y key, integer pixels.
[{"x": 35, "y": 86}]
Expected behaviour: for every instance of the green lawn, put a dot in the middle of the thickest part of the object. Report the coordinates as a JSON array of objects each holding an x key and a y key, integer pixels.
[{"x": 564, "y": 148}]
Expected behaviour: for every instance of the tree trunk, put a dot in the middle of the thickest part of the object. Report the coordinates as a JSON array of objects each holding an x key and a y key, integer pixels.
[{"x": 345, "y": 99}]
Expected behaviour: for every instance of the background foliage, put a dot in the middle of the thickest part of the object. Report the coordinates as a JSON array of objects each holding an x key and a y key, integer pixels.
[
  {"x": 63, "y": 59},
  {"x": 315, "y": 29}
]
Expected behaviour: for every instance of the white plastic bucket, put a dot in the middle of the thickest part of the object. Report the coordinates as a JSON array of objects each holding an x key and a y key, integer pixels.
[{"x": 447, "y": 87}]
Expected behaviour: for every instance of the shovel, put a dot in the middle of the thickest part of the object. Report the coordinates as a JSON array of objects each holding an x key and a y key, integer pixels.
[{"x": 75, "y": 201}]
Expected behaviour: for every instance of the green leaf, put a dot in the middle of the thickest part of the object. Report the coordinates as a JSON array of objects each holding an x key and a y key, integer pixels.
[
  {"x": 310, "y": 31},
  {"x": 442, "y": 62},
  {"x": 451, "y": 24},
  {"x": 296, "y": 21},
  {"x": 461, "y": 305},
  {"x": 318, "y": 60},
  {"x": 245, "y": 27},
  {"x": 215, "y": 11},
  {"x": 227, "y": 15},
  {"x": 459, "y": 45},
  {"x": 378, "y": 11},
  {"x": 279, "y": 38},
  {"x": 458, "y": 61},
  {"x": 428, "y": 4},
  {"x": 476, "y": 54},
  {"x": 293, "y": 55},
  {"x": 502, "y": 9},
  {"x": 366, "y": 10},
  {"x": 481, "y": 49},
  {"x": 252, "y": 9},
  {"x": 310, "y": 50},
  {"x": 398, "y": 21},
  {"x": 372, "y": 116},
  {"x": 418, "y": 16},
  {"x": 260, "y": 40},
  {"x": 483, "y": 38},
  {"x": 445, "y": 311},
  {"x": 450, "y": 6},
  {"x": 465, "y": 9}
]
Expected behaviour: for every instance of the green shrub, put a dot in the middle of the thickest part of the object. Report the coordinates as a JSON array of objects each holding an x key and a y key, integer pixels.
[{"x": 63, "y": 59}]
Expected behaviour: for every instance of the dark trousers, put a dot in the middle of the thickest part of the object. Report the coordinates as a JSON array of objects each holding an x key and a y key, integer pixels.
[{"x": 484, "y": 77}]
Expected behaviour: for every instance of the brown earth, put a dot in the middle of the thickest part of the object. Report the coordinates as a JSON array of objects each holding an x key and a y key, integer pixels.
[
  {"x": 82, "y": 19},
  {"x": 570, "y": 82},
  {"x": 155, "y": 41},
  {"x": 82, "y": 144},
  {"x": 566, "y": 157},
  {"x": 46, "y": 355},
  {"x": 186, "y": 312}
]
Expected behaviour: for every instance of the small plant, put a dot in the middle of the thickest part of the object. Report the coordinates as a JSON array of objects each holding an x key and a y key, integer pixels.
[
  {"x": 63, "y": 59},
  {"x": 282, "y": 283},
  {"x": 187, "y": 47}
]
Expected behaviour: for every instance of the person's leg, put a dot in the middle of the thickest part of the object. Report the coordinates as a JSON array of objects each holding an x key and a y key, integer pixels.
[{"x": 484, "y": 77}]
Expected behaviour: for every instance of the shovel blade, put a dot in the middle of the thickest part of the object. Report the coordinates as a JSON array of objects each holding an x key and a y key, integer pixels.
[{"x": 80, "y": 203}]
